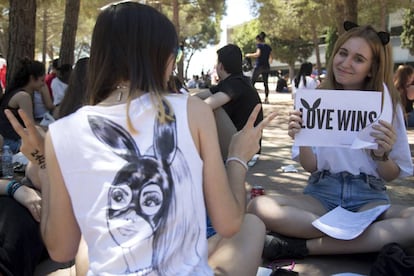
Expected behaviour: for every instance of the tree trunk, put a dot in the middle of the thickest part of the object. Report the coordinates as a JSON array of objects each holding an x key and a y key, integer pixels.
[
  {"x": 176, "y": 22},
  {"x": 351, "y": 10},
  {"x": 70, "y": 25},
  {"x": 44, "y": 35},
  {"x": 22, "y": 29},
  {"x": 317, "y": 53},
  {"x": 340, "y": 16},
  {"x": 384, "y": 17}
]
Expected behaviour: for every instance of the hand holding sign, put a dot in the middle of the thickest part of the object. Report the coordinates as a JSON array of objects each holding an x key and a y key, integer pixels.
[{"x": 329, "y": 122}]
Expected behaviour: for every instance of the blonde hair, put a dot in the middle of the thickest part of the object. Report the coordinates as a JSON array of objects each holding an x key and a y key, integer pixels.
[{"x": 382, "y": 63}]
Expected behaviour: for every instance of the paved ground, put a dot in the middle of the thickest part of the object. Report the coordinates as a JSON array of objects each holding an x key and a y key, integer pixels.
[{"x": 267, "y": 172}]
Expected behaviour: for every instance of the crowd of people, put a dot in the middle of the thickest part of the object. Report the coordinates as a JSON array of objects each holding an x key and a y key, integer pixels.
[{"x": 135, "y": 175}]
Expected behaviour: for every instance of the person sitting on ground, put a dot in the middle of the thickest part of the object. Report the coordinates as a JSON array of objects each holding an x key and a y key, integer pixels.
[
  {"x": 303, "y": 79},
  {"x": 361, "y": 60},
  {"x": 282, "y": 85},
  {"x": 194, "y": 82},
  {"x": 75, "y": 95},
  {"x": 404, "y": 82},
  {"x": 74, "y": 98},
  {"x": 21, "y": 246},
  {"x": 234, "y": 92},
  {"x": 29, "y": 77},
  {"x": 42, "y": 104},
  {"x": 156, "y": 165},
  {"x": 60, "y": 83},
  {"x": 51, "y": 74}
]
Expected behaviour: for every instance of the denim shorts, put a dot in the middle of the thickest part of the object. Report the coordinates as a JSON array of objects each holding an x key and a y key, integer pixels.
[
  {"x": 210, "y": 229},
  {"x": 346, "y": 190}
]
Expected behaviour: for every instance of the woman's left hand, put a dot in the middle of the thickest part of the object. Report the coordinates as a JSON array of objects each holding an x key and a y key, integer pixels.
[
  {"x": 32, "y": 137},
  {"x": 385, "y": 137},
  {"x": 30, "y": 199}
]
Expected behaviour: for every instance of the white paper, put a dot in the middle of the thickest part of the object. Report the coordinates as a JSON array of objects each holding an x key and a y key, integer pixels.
[
  {"x": 364, "y": 138},
  {"x": 336, "y": 118},
  {"x": 342, "y": 224},
  {"x": 263, "y": 271},
  {"x": 289, "y": 168}
]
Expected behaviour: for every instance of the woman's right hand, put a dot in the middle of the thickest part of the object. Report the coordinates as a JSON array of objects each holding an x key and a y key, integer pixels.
[
  {"x": 245, "y": 143},
  {"x": 295, "y": 123}
]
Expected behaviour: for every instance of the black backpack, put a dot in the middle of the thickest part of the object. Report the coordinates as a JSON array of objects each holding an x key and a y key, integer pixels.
[{"x": 392, "y": 260}]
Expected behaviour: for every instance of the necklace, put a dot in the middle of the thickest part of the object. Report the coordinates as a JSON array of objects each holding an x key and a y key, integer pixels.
[
  {"x": 117, "y": 95},
  {"x": 121, "y": 93}
]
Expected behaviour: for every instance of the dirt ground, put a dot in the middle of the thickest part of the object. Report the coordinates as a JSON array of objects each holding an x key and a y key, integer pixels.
[{"x": 267, "y": 172}]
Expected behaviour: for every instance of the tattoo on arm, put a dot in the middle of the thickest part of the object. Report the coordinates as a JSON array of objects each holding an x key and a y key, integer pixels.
[{"x": 40, "y": 158}]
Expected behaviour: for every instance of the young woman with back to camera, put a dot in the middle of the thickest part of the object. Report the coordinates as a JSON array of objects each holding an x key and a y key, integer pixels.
[
  {"x": 361, "y": 60},
  {"x": 146, "y": 165}
]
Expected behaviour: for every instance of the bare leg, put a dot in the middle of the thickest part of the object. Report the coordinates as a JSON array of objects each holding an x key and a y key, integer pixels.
[
  {"x": 81, "y": 259},
  {"x": 288, "y": 215},
  {"x": 396, "y": 226},
  {"x": 292, "y": 216},
  {"x": 241, "y": 254}
]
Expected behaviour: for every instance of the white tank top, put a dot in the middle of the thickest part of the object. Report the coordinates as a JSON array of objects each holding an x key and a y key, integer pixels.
[{"x": 137, "y": 196}]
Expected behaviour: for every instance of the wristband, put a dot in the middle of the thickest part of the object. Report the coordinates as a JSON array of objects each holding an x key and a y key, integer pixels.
[
  {"x": 12, "y": 187},
  {"x": 238, "y": 160}
]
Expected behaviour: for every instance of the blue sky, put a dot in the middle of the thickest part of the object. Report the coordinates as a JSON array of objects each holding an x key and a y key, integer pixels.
[{"x": 238, "y": 11}]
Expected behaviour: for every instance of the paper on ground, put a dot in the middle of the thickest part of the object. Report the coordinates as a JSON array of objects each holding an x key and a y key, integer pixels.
[
  {"x": 364, "y": 138},
  {"x": 263, "y": 271},
  {"x": 342, "y": 224},
  {"x": 289, "y": 168}
]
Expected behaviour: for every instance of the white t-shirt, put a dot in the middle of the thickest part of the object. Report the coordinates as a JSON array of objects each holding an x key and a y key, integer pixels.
[
  {"x": 58, "y": 90},
  {"x": 39, "y": 108},
  {"x": 311, "y": 83},
  {"x": 137, "y": 197},
  {"x": 356, "y": 161}
]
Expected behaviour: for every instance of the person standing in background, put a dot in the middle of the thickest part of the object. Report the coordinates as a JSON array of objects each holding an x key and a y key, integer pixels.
[{"x": 263, "y": 56}]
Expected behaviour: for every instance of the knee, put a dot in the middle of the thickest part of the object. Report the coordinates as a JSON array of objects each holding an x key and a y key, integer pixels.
[
  {"x": 254, "y": 224},
  {"x": 253, "y": 206}
]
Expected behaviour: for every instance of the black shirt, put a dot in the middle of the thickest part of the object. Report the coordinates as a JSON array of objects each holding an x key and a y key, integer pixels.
[{"x": 243, "y": 99}]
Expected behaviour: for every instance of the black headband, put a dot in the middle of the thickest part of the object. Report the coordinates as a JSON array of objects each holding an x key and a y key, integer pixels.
[{"x": 383, "y": 36}]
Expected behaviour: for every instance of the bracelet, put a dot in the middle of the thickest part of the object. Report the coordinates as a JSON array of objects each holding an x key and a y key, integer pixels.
[
  {"x": 383, "y": 158},
  {"x": 12, "y": 187},
  {"x": 238, "y": 160}
]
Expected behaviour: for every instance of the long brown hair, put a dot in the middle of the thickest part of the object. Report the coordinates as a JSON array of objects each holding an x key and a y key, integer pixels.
[
  {"x": 130, "y": 42},
  {"x": 382, "y": 63},
  {"x": 401, "y": 77}
]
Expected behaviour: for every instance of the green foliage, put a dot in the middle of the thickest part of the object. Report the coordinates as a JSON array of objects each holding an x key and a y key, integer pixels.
[
  {"x": 244, "y": 36},
  {"x": 331, "y": 37},
  {"x": 407, "y": 36},
  {"x": 292, "y": 50}
]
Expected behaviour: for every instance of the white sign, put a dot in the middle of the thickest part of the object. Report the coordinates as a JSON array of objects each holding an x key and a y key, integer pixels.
[{"x": 340, "y": 118}]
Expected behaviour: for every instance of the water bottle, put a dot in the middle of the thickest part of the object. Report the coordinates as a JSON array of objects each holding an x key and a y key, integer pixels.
[{"x": 7, "y": 162}]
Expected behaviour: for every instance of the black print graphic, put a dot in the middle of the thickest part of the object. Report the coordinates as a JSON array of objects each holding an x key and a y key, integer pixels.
[
  {"x": 347, "y": 120},
  {"x": 141, "y": 195}
]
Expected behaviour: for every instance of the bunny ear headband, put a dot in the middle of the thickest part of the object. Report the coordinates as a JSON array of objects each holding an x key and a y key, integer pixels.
[{"x": 383, "y": 36}]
